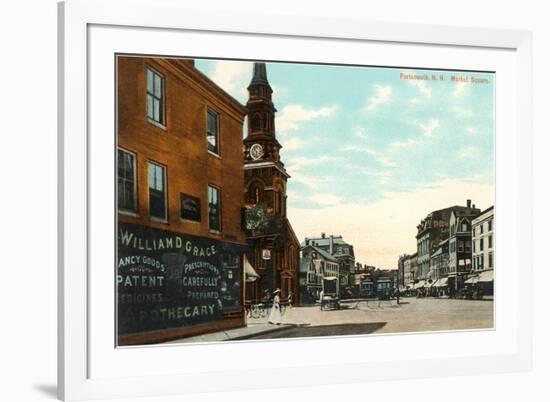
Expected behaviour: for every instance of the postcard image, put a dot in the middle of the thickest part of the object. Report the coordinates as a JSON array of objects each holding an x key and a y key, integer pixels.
[{"x": 261, "y": 200}]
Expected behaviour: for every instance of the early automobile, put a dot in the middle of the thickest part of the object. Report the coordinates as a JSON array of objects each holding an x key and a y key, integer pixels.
[{"x": 330, "y": 299}]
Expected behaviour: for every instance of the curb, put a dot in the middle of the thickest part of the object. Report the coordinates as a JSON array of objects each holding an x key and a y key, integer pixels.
[{"x": 267, "y": 331}]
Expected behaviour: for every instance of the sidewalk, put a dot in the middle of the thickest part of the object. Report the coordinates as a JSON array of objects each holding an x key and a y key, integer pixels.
[{"x": 235, "y": 334}]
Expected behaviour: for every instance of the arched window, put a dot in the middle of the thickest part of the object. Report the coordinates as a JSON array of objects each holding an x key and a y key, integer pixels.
[
  {"x": 255, "y": 193},
  {"x": 256, "y": 122}
]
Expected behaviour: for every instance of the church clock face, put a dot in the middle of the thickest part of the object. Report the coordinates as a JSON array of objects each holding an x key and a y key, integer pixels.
[{"x": 256, "y": 151}]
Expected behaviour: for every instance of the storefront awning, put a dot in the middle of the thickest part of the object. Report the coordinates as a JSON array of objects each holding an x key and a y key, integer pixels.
[
  {"x": 420, "y": 284},
  {"x": 473, "y": 279},
  {"x": 442, "y": 282},
  {"x": 250, "y": 274},
  {"x": 486, "y": 276}
]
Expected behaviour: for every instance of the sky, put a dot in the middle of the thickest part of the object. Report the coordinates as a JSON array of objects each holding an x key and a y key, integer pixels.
[{"x": 371, "y": 150}]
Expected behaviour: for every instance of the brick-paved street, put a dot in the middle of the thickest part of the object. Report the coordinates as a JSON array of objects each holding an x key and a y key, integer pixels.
[{"x": 412, "y": 315}]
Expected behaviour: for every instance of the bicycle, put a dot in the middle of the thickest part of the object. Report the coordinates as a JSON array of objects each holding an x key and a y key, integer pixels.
[{"x": 258, "y": 310}]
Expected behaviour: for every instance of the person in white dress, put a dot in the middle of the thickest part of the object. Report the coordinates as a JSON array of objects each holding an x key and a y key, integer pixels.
[{"x": 275, "y": 315}]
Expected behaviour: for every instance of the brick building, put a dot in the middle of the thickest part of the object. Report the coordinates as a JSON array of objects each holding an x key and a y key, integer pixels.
[
  {"x": 460, "y": 245},
  {"x": 180, "y": 193}
]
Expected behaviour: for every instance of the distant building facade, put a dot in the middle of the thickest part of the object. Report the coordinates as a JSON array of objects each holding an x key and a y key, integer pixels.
[
  {"x": 483, "y": 228},
  {"x": 433, "y": 229},
  {"x": 315, "y": 264},
  {"x": 408, "y": 276},
  {"x": 460, "y": 245},
  {"x": 343, "y": 252},
  {"x": 439, "y": 268}
]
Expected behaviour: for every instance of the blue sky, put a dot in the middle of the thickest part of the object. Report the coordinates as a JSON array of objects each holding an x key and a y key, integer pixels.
[{"x": 355, "y": 138}]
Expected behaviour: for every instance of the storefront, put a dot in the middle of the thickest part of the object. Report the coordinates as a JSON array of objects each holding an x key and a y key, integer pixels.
[{"x": 172, "y": 285}]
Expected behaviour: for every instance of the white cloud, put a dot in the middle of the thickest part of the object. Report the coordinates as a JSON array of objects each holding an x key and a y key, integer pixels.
[
  {"x": 472, "y": 130},
  {"x": 460, "y": 89},
  {"x": 462, "y": 113},
  {"x": 385, "y": 161},
  {"x": 381, "y": 159},
  {"x": 310, "y": 181},
  {"x": 383, "y": 95},
  {"x": 423, "y": 88},
  {"x": 232, "y": 76},
  {"x": 292, "y": 115},
  {"x": 361, "y": 133},
  {"x": 429, "y": 127},
  {"x": 292, "y": 143},
  {"x": 358, "y": 148},
  {"x": 297, "y": 163},
  {"x": 383, "y": 230},
  {"x": 469, "y": 151},
  {"x": 325, "y": 199},
  {"x": 408, "y": 143}
]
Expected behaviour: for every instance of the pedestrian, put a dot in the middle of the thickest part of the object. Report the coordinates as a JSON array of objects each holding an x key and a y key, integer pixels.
[
  {"x": 289, "y": 299},
  {"x": 275, "y": 315},
  {"x": 397, "y": 294}
]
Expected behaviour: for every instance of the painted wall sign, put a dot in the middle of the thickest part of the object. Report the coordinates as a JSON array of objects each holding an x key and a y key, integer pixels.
[{"x": 168, "y": 280}]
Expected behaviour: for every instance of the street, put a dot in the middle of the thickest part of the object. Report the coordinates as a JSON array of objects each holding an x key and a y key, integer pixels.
[{"x": 373, "y": 316}]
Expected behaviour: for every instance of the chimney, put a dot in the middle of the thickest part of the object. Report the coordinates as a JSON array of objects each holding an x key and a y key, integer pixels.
[
  {"x": 474, "y": 206},
  {"x": 331, "y": 244},
  {"x": 469, "y": 203},
  {"x": 323, "y": 235}
]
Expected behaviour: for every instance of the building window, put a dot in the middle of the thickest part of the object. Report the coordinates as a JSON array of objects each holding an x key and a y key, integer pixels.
[
  {"x": 490, "y": 260},
  {"x": 190, "y": 208},
  {"x": 464, "y": 227},
  {"x": 155, "y": 96},
  {"x": 490, "y": 242},
  {"x": 481, "y": 262},
  {"x": 157, "y": 191},
  {"x": 212, "y": 132},
  {"x": 255, "y": 193},
  {"x": 214, "y": 203},
  {"x": 490, "y": 225},
  {"x": 468, "y": 246},
  {"x": 481, "y": 228},
  {"x": 126, "y": 181},
  {"x": 256, "y": 123},
  {"x": 460, "y": 246},
  {"x": 480, "y": 244},
  {"x": 474, "y": 246}
]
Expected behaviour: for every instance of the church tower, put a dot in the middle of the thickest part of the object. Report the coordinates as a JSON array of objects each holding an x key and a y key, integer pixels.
[
  {"x": 275, "y": 253},
  {"x": 265, "y": 174}
]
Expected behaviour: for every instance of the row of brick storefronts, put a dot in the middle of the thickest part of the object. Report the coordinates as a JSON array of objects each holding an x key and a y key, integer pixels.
[
  {"x": 454, "y": 253},
  {"x": 185, "y": 257}
]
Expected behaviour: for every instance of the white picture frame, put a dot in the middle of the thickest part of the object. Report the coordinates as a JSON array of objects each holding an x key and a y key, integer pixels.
[{"x": 80, "y": 29}]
